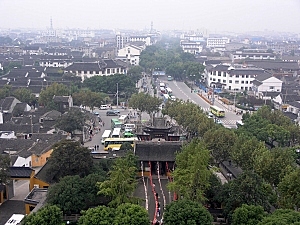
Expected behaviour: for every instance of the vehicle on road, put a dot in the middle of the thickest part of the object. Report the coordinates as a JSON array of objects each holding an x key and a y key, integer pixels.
[
  {"x": 116, "y": 133},
  {"x": 123, "y": 119},
  {"x": 115, "y": 143},
  {"x": 166, "y": 97},
  {"x": 210, "y": 115},
  {"x": 15, "y": 219},
  {"x": 129, "y": 127},
  {"x": 217, "y": 121},
  {"x": 112, "y": 113},
  {"x": 106, "y": 134},
  {"x": 218, "y": 112},
  {"x": 103, "y": 107},
  {"x": 170, "y": 78},
  {"x": 115, "y": 123}
]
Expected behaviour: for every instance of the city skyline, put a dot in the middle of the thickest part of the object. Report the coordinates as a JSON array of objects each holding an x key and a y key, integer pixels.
[{"x": 215, "y": 16}]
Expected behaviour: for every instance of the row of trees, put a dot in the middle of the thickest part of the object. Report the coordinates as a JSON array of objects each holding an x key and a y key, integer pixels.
[
  {"x": 173, "y": 60},
  {"x": 269, "y": 177}
]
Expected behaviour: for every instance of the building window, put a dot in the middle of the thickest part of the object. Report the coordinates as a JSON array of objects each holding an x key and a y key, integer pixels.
[
  {"x": 210, "y": 78},
  {"x": 230, "y": 81},
  {"x": 242, "y": 81},
  {"x": 246, "y": 76},
  {"x": 214, "y": 79},
  {"x": 224, "y": 74},
  {"x": 237, "y": 76},
  {"x": 272, "y": 87},
  {"x": 246, "y": 82},
  {"x": 108, "y": 70},
  {"x": 236, "y": 82},
  {"x": 224, "y": 81},
  {"x": 219, "y": 80}
]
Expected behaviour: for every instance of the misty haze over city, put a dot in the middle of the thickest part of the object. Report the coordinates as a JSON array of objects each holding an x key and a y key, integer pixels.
[{"x": 216, "y": 15}]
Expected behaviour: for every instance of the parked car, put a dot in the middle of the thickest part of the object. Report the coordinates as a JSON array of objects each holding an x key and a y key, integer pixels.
[
  {"x": 103, "y": 107},
  {"x": 112, "y": 113}
]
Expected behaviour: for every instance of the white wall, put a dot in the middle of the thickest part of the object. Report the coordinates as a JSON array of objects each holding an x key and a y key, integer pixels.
[
  {"x": 271, "y": 84},
  {"x": 23, "y": 161}
]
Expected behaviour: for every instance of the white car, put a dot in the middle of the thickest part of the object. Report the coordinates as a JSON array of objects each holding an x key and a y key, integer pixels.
[{"x": 103, "y": 107}]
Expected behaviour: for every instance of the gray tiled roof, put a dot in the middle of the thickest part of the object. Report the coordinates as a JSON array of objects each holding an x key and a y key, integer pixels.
[
  {"x": 157, "y": 151},
  {"x": 20, "y": 172},
  {"x": 295, "y": 104},
  {"x": 274, "y": 65},
  {"x": 263, "y": 76}
]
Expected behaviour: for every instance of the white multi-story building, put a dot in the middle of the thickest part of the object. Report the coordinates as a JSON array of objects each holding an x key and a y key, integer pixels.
[
  {"x": 232, "y": 77},
  {"x": 217, "y": 43},
  {"x": 122, "y": 39},
  {"x": 130, "y": 54},
  {"x": 266, "y": 83},
  {"x": 254, "y": 54},
  {"x": 105, "y": 67},
  {"x": 192, "y": 47}
]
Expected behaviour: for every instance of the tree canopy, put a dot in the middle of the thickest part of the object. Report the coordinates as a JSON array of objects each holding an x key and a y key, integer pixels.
[
  {"x": 73, "y": 120},
  {"x": 248, "y": 215},
  {"x": 4, "y": 168},
  {"x": 248, "y": 188},
  {"x": 282, "y": 217},
  {"x": 73, "y": 193},
  {"x": 69, "y": 158},
  {"x": 145, "y": 103},
  {"x": 46, "y": 95},
  {"x": 186, "y": 212},
  {"x": 108, "y": 84},
  {"x": 124, "y": 214},
  {"x": 191, "y": 175},
  {"x": 47, "y": 215},
  {"x": 288, "y": 190},
  {"x": 121, "y": 182}
]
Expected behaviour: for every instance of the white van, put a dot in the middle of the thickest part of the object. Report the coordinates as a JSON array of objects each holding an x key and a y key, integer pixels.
[
  {"x": 129, "y": 127},
  {"x": 103, "y": 107}
]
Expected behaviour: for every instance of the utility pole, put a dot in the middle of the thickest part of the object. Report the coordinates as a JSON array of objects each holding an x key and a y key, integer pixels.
[{"x": 117, "y": 95}]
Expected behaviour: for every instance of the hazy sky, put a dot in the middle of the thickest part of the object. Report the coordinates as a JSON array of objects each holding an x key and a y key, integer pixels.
[{"x": 214, "y": 15}]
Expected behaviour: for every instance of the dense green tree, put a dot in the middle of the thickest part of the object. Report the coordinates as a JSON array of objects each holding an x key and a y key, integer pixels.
[
  {"x": 5, "y": 91},
  {"x": 47, "y": 215},
  {"x": 248, "y": 215},
  {"x": 131, "y": 214},
  {"x": 186, "y": 212},
  {"x": 190, "y": 116},
  {"x": 4, "y": 168},
  {"x": 46, "y": 95},
  {"x": 69, "y": 158},
  {"x": 273, "y": 165},
  {"x": 246, "y": 151},
  {"x": 24, "y": 95},
  {"x": 248, "y": 188},
  {"x": 282, "y": 217},
  {"x": 145, "y": 103},
  {"x": 68, "y": 194},
  {"x": 73, "y": 194},
  {"x": 100, "y": 215},
  {"x": 220, "y": 142},
  {"x": 108, "y": 84},
  {"x": 288, "y": 190},
  {"x": 272, "y": 127},
  {"x": 121, "y": 182},
  {"x": 135, "y": 72},
  {"x": 191, "y": 175},
  {"x": 73, "y": 120},
  {"x": 126, "y": 146}
]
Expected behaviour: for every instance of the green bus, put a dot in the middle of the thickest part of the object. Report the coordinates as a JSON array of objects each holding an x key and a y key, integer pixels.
[
  {"x": 115, "y": 123},
  {"x": 218, "y": 112}
]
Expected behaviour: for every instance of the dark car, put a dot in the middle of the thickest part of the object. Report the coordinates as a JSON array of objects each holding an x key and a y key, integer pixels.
[{"x": 112, "y": 113}]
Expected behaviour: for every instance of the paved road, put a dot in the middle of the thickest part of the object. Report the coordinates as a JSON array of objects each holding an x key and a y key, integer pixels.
[{"x": 182, "y": 91}]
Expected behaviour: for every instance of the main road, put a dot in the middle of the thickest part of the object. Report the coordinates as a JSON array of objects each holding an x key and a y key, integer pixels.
[{"x": 182, "y": 91}]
